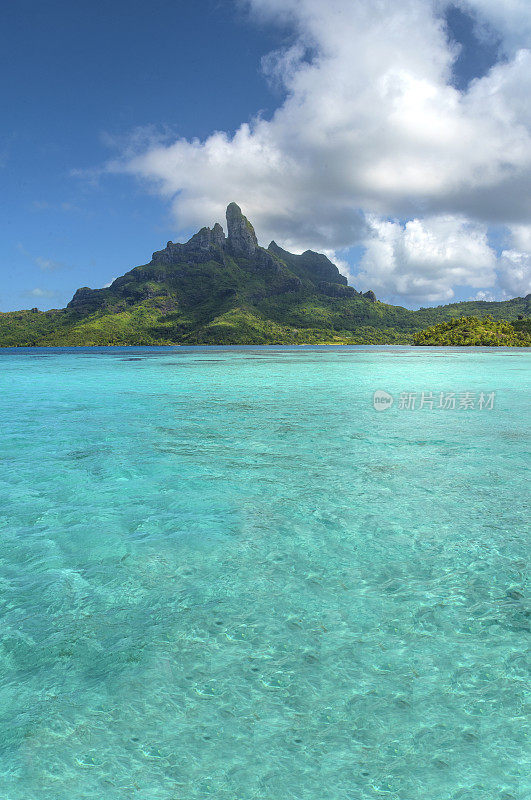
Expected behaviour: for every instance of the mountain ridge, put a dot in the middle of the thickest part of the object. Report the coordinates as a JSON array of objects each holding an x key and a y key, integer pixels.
[{"x": 217, "y": 289}]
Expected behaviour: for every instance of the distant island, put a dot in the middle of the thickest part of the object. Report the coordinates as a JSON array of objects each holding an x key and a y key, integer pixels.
[{"x": 223, "y": 290}]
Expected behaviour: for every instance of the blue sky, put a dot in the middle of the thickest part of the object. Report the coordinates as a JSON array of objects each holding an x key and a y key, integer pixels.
[
  {"x": 74, "y": 75},
  {"x": 95, "y": 96}
]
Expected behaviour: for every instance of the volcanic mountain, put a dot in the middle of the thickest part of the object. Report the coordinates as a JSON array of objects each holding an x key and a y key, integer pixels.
[{"x": 218, "y": 289}]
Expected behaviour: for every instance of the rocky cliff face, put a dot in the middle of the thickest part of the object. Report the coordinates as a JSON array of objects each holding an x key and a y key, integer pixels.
[
  {"x": 197, "y": 249},
  {"x": 241, "y": 239},
  {"x": 312, "y": 266},
  {"x": 86, "y": 299},
  {"x": 276, "y": 270},
  {"x": 370, "y": 296},
  {"x": 240, "y": 242}
]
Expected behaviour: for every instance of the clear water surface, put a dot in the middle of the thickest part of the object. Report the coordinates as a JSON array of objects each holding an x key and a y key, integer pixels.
[{"x": 224, "y": 575}]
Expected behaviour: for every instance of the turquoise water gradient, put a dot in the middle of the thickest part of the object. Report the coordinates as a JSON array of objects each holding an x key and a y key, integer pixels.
[{"x": 224, "y": 575}]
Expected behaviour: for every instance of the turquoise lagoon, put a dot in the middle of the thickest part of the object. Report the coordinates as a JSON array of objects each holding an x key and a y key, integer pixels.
[{"x": 224, "y": 575}]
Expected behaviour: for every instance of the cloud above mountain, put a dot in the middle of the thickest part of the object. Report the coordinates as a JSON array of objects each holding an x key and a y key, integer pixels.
[
  {"x": 373, "y": 145},
  {"x": 422, "y": 259}
]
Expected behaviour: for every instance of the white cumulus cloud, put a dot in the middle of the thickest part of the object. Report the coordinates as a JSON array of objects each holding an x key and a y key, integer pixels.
[
  {"x": 371, "y": 127},
  {"x": 423, "y": 259},
  {"x": 514, "y": 274}
]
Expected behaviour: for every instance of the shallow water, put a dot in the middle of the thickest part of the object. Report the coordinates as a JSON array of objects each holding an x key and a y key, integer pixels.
[{"x": 224, "y": 574}]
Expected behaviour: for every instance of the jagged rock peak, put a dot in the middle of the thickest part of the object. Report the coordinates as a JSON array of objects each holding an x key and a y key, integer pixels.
[
  {"x": 241, "y": 236},
  {"x": 81, "y": 297},
  {"x": 369, "y": 295},
  {"x": 206, "y": 238},
  {"x": 218, "y": 235},
  {"x": 311, "y": 265},
  {"x": 196, "y": 249}
]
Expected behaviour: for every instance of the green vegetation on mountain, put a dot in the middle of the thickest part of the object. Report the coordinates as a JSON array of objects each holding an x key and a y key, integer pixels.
[
  {"x": 475, "y": 331},
  {"x": 227, "y": 290}
]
